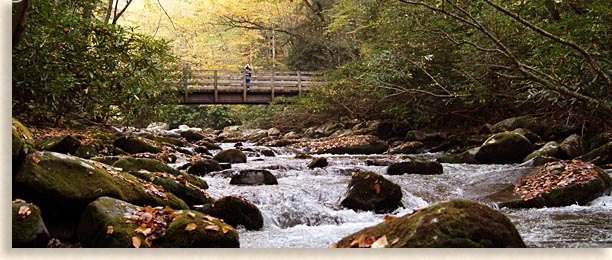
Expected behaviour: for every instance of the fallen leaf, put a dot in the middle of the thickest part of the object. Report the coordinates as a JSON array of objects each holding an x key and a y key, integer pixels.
[
  {"x": 109, "y": 230},
  {"x": 24, "y": 211},
  {"x": 395, "y": 241},
  {"x": 19, "y": 201},
  {"x": 389, "y": 217},
  {"x": 333, "y": 245},
  {"x": 212, "y": 227},
  {"x": 136, "y": 242},
  {"x": 36, "y": 160},
  {"x": 148, "y": 242},
  {"x": 191, "y": 215},
  {"x": 225, "y": 229},
  {"x": 191, "y": 226},
  {"x": 380, "y": 243}
]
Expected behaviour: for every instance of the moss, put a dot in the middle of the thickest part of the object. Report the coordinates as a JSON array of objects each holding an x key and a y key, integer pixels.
[
  {"x": 236, "y": 211},
  {"x": 62, "y": 144},
  {"x": 169, "y": 141},
  {"x": 506, "y": 147},
  {"x": 371, "y": 191},
  {"x": 110, "y": 160},
  {"x": 87, "y": 150},
  {"x": 177, "y": 237},
  {"x": 135, "y": 164},
  {"x": 28, "y": 230},
  {"x": 191, "y": 194},
  {"x": 131, "y": 144},
  {"x": 456, "y": 223},
  {"x": 549, "y": 149},
  {"x": 230, "y": 156},
  {"x": 600, "y": 155}
]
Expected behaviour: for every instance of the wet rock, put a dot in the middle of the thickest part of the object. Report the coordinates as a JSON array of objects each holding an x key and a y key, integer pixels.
[
  {"x": 62, "y": 144},
  {"x": 231, "y": 156},
  {"x": 158, "y": 126},
  {"x": 528, "y": 122},
  {"x": 131, "y": 164},
  {"x": 549, "y": 149},
  {"x": 533, "y": 137},
  {"x": 319, "y": 162},
  {"x": 235, "y": 210},
  {"x": 378, "y": 162},
  {"x": 456, "y": 223},
  {"x": 62, "y": 186},
  {"x": 192, "y": 135},
  {"x": 291, "y": 135},
  {"x": 303, "y": 156},
  {"x": 177, "y": 185},
  {"x": 202, "y": 167},
  {"x": 371, "y": 191},
  {"x": 104, "y": 225},
  {"x": 88, "y": 150},
  {"x": 132, "y": 145},
  {"x": 361, "y": 144},
  {"x": 408, "y": 148},
  {"x": 415, "y": 167},
  {"x": 281, "y": 142},
  {"x": 28, "y": 227},
  {"x": 256, "y": 135},
  {"x": 274, "y": 132},
  {"x": 202, "y": 150},
  {"x": 572, "y": 146},
  {"x": 558, "y": 184},
  {"x": 209, "y": 143},
  {"x": 254, "y": 177},
  {"x": 599, "y": 156},
  {"x": 506, "y": 147},
  {"x": 468, "y": 156}
]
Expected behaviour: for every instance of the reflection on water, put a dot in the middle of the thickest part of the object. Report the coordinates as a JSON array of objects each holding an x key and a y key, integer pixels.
[{"x": 303, "y": 210}]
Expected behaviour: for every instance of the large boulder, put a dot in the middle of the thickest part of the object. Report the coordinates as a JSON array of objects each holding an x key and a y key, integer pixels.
[
  {"x": 112, "y": 223},
  {"x": 468, "y": 156},
  {"x": 22, "y": 143},
  {"x": 318, "y": 162},
  {"x": 230, "y": 156},
  {"x": 408, "y": 148},
  {"x": 132, "y": 164},
  {"x": 62, "y": 186},
  {"x": 235, "y": 210},
  {"x": 371, "y": 191},
  {"x": 177, "y": 185},
  {"x": 204, "y": 166},
  {"x": 134, "y": 144},
  {"x": 192, "y": 135},
  {"x": 415, "y": 167},
  {"x": 528, "y": 122},
  {"x": 505, "y": 147},
  {"x": 456, "y": 223},
  {"x": 254, "y": 177},
  {"x": 557, "y": 184},
  {"x": 572, "y": 146},
  {"x": 549, "y": 149},
  {"x": 359, "y": 144},
  {"x": 600, "y": 155},
  {"x": 28, "y": 227},
  {"x": 62, "y": 144}
]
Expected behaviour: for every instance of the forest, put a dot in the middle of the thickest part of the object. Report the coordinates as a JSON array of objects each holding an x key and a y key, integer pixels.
[{"x": 419, "y": 64}]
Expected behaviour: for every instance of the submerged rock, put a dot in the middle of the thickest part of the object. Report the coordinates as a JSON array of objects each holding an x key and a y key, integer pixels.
[
  {"x": 319, "y": 162},
  {"x": 28, "y": 227},
  {"x": 456, "y": 223},
  {"x": 371, "y": 191},
  {"x": 112, "y": 223},
  {"x": 235, "y": 210},
  {"x": 506, "y": 147},
  {"x": 254, "y": 177}
]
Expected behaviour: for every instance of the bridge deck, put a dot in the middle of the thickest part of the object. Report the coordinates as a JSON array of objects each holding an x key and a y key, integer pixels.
[{"x": 229, "y": 87}]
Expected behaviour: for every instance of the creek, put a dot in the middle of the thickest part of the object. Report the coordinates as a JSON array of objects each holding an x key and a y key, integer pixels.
[{"x": 303, "y": 210}]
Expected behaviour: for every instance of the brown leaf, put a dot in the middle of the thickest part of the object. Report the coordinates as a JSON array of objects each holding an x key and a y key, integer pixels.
[
  {"x": 36, "y": 159},
  {"x": 191, "y": 215},
  {"x": 109, "y": 230},
  {"x": 136, "y": 242},
  {"x": 333, "y": 245},
  {"x": 225, "y": 229},
  {"x": 390, "y": 217},
  {"x": 24, "y": 211},
  {"x": 380, "y": 243},
  {"x": 212, "y": 227},
  {"x": 148, "y": 242},
  {"x": 191, "y": 226}
]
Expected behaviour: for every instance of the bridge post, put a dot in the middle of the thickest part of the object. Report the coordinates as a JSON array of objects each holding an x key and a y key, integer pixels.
[
  {"x": 186, "y": 83},
  {"x": 216, "y": 85},
  {"x": 244, "y": 86},
  {"x": 299, "y": 74},
  {"x": 272, "y": 90}
]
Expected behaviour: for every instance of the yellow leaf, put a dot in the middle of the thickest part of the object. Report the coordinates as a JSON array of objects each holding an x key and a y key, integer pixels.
[
  {"x": 109, "y": 230},
  {"x": 212, "y": 227},
  {"x": 380, "y": 243},
  {"x": 36, "y": 160},
  {"x": 225, "y": 229},
  {"x": 24, "y": 211},
  {"x": 136, "y": 242},
  {"x": 191, "y": 226},
  {"x": 191, "y": 215}
]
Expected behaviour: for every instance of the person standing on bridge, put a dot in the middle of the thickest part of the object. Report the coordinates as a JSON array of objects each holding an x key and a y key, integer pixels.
[{"x": 247, "y": 75}]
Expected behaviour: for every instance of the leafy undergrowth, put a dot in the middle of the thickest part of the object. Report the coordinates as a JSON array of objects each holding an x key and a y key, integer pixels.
[{"x": 554, "y": 175}]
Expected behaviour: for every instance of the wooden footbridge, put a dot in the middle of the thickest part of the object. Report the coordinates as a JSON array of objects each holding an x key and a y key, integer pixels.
[{"x": 230, "y": 86}]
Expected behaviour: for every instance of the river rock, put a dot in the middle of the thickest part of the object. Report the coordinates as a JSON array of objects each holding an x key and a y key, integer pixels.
[
  {"x": 28, "y": 227},
  {"x": 112, "y": 223},
  {"x": 202, "y": 167},
  {"x": 455, "y": 223},
  {"x": 274, "y": 132},
  {"x": 202, "y": 150},
  {"x": 66, "y": 144},
  {"x": 533, "y": 137},
  {"x": 558, "y": 184},
  {"x": 528, "y": 122},
  {"x": 599, "y": 156},
  {"x": 319, "y": 162},
  {"x": 192, "y": 135},
  {"x": 549, "y": 149},
  {"x": 90, "y": 149},
  {"x": 359, "y": 144},
  {"x": 413, "y": 147},
  {"x": 22, "y": 143},
  {"x": 505, "y": 147},
  {"x": 572, "y": 146},
  {"x": 62, "y": 186},
  {"x": 254, "y": 177},
  {"x": 231, "y": 156},
  {"x": 152, "y": 165},
  {"x": 415, "y": 167},
  {"x": 468, "y": 156},
  {"x": 371, "y": 191},
  {"x": 235, "y": 210},
  {"x": 158, "y": 126},
  {"x": 133, "y": 144},
  {"x": 177, "y": 185}
]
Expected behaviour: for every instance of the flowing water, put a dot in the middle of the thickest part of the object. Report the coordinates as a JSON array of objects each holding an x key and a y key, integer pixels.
[{"x": 303, "y": 210}]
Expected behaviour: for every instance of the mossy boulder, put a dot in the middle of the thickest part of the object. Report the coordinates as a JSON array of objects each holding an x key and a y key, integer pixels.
[
  {"x": 28, "y": 227},
  {"x": 134, "y": 144},
  {"x": 177, "y": 185},
  {"x": 62, "y": 186},
  {"x": 527, "y": 122},
  {"x": 231, "y": 156},
  {"x": 558, "y": 184},
  {"x": 572, "y": 146},
  {"x": 202, "y": 150},
  {"x": 202, "y": 167},
  {"x": 599, "y": 156},
  {"x": 112, "y": 223},
  {"x": 415, "y": 167},
  {"x": 468, "y": 156},
  {"x": 455, "y": 223},
  {"x": 152, "y": 165},
  {"x": 549, "y": 149},
  {"x": 165, "y": 140},
  {"x": 254, "y": 177},
  {"x": 88, "y": 151},
  {"x": 22, "y": 143},
  {"x": 235, "y": 211},
  {"x": 209, "y": 143},
  {"x": 192, "y": 135},
  {"x": 318, "y": 162},
  {"x": 408, "y": 148},
  {"x": 62, "y": 144},
  {"x": 505, "y": 147},
  {"x": 371, "y": 191},
  {"x": 358, "y": 144}
]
